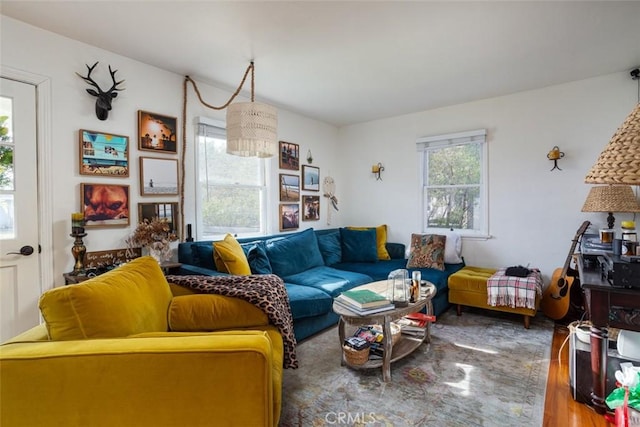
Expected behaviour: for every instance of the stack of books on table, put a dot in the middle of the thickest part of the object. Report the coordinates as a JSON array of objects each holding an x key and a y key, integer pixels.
[
  {"x": 364, "y": 302},
  {"x": 414, "y": 323}
]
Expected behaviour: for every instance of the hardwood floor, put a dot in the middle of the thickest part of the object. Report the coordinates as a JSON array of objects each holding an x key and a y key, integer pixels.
[{"x": 560, "y": 410}]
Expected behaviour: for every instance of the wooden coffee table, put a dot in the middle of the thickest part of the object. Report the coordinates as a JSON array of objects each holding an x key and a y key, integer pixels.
[{"x": 407, "y": 343}]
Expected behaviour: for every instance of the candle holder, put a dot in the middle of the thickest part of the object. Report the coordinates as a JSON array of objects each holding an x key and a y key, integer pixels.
[{"x": 78, "y": 251}]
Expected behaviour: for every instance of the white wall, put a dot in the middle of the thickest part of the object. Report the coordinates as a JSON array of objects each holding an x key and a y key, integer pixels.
[
  {"x": 27, "y": 48},
  {"x": 533, "y": 213}
]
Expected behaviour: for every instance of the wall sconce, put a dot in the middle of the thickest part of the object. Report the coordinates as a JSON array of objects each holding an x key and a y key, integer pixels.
[
  {"x": 377, "y": 170},
  {"x": 555, "y": 154}
]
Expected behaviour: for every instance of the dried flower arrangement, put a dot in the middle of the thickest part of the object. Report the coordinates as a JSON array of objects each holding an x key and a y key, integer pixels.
[{"x": 156, "y": 235}]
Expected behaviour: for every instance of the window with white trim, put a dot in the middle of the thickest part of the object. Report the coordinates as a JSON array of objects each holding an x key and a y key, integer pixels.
[
  {"x": 454, "y": 183},
  {"x": 230, "y": 190}
]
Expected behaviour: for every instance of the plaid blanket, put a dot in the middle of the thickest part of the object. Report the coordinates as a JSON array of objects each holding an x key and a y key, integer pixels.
[{"x": 514, "y": 291}]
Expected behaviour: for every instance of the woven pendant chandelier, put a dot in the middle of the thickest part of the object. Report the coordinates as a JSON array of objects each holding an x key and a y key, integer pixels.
[
  {"x": 619, "y": 163},
  {"x": 252, "y": 127}
]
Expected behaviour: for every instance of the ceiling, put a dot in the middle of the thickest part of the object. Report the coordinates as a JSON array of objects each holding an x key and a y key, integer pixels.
[{"x": 345, "y": 62}]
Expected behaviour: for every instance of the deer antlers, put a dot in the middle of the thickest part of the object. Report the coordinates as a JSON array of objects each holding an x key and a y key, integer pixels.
[{"x": 103, "y": 103}]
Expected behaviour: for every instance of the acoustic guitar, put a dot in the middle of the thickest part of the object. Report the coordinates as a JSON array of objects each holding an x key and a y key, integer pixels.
[{"x": 556, "y": 298}]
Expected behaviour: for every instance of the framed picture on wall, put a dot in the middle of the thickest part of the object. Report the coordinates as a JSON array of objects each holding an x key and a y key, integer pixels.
[
  {"x": 157, "y": 132},
  {"x": 158, "y": 176},
  {"x": 161, "y": 210},
  {"x": 105, "y": 205},
  {"x": 289, "y": 156},
  {"x": 103, "y": 154},
  {"x": 310, "y": 178},
  {"x": 289, "y": 216},
  {"x": 289, "y": 188},
  {"x": 310, "y": 208}
]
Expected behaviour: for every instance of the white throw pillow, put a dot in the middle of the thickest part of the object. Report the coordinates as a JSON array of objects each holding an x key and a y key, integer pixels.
[{"x": 453, "y": 248}]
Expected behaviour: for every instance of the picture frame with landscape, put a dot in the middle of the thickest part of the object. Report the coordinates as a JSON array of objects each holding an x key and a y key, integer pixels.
[
  {"x": 157, "y": 132},
  {"x": 310, "y": 178},
  {"x": 103, "y": 154},
  {"x": 158, "y": 176},
  {"x": 289, "y": 216},
  {"x": 105, "y": 205},
  {"x": 289, "y": 156},
  {"x": 161, "y": 210},
  {"x": 289, "y": 188}
]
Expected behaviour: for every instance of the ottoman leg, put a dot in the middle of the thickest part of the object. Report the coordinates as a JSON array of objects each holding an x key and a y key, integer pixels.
[
  {"x": 459, "y": 310},
  {"x": 527, "y": 321}
]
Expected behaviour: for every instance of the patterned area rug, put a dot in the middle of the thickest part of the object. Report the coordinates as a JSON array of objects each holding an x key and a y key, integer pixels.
[{"x": 480, "y": 369}]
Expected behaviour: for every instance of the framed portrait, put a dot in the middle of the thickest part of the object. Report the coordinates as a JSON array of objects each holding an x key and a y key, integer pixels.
[
  {"x": 289, "y": 156},
  {"x": 105, "y": 205},
  {"x": 310, "y": 208},
  {"x": 310, "y": 178},
  {"x": 157, "y": 132},
  {"x": 161, "y": 210},
  {"x": 289, "y": 216},
  {"x": 289, "y": 188},
  {"x": 103, "y": 154},
  {"x": 158, "y": 176}
]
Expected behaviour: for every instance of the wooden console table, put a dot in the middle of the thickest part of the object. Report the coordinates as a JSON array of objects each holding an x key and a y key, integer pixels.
[{"x": 607, "y": 306}]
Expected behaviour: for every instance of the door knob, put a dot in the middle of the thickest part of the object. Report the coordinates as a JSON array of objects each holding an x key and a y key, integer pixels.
[{"x": 25, "y": 250}]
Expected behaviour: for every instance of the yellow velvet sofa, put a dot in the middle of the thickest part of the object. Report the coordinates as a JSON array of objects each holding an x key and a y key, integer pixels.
[{"x": 109, "y": 354}]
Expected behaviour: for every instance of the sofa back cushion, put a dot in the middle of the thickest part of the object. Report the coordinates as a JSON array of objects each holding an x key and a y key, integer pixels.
[
  {"x": 130, "y": 299},
  {"x": 330, "y": 247},
  {"x": 294, "y": 254},
  {"x": 381, "y": 240},
  {"x": 359, "y": 245}
]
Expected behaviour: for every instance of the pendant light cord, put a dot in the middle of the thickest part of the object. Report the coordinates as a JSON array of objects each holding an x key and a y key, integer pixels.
[{"x": 188, "y": 79}]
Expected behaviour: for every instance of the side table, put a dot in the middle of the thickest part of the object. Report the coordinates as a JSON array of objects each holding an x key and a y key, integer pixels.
[{"x": 72, "y": 279}]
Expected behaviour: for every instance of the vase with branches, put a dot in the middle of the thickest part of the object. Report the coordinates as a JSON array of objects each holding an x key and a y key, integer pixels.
[{"x": 155, "y": 235}]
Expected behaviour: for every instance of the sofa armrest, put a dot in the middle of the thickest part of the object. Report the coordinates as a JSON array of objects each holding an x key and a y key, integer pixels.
[{"x": 183, "y": 379}]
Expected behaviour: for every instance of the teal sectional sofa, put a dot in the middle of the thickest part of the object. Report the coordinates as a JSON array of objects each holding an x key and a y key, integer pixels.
[{"x": 316, "y": 266}]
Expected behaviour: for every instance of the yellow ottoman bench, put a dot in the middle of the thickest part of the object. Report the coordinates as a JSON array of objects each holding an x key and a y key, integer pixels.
[{"x": 468, "y": 287}]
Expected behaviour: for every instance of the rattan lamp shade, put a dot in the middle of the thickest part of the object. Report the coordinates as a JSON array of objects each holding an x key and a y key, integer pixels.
[
  {"x": 611, "y": 198},
  {"x": 619, "y": 163},
  {"x": 252, "y": 129}
]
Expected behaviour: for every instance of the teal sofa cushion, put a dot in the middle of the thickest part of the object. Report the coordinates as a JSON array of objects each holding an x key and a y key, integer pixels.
[
  {"x": 306, "y": 301},
  {"x": 256, "y": 253},
  {"x": 294, "y": 254},
  {"x": 330, "y": 280},
  {"x": 330, "y": 247},
  {"x": 203, "y": 255},
  {"x": 359, "y": 245}
]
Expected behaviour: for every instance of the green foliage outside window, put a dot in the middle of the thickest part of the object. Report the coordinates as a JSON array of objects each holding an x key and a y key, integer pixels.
[
  {"x": 452, "y": 186},
  {"x": 6, "y": 157},
  {"x": 230, "y": 190}
]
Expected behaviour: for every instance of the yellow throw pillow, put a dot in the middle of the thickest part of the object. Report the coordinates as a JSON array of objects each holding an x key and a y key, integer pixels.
[
  {"x": 381, "y": 240},
  {"x": 230, "y": 258}
]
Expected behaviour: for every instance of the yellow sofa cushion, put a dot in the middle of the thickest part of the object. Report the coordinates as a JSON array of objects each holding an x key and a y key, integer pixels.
[
  {"x": 130, "y": 299},
  {"x": 230, "y": 258},
  {"x": 207, "y": 312},
  {"x": 381, "y": 240}
]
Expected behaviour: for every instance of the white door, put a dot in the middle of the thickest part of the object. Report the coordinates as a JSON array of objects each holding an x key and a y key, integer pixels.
[{"x": 20, "y": 285}]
